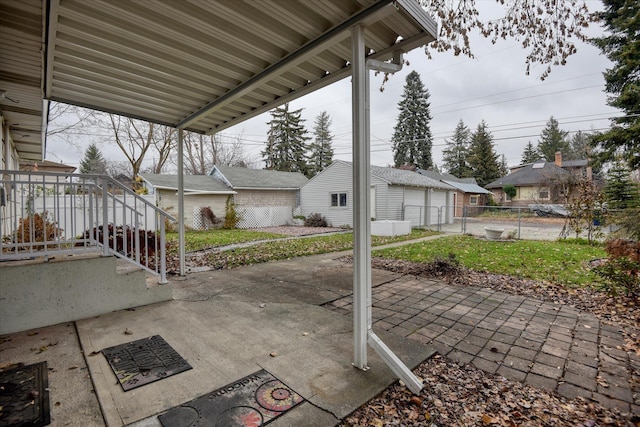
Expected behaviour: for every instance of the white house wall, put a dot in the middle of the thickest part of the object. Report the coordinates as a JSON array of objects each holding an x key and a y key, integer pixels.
[
  {"x": 437, "y": 206},
  {"x": 315, "y": 194},
  {"x": 167, "y": 200}
]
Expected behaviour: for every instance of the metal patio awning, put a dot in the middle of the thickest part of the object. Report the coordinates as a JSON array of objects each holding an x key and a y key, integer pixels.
[{"x": 200, "y": 65}]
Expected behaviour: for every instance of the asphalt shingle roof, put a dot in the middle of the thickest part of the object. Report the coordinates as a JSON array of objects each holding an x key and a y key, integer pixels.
[
  {"x": 405, "y": 177},
  {"x": 194, "y": 183},
  {"x": 531, "y": 174},
  {"x": 245, "y": 178}
]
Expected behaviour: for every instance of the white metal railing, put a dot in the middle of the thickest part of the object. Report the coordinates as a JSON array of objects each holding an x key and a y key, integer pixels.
[{"x": 46, "y": 213}]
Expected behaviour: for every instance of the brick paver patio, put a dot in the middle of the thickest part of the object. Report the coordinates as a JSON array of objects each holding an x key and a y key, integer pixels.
[{"x": 549, "y": 346}]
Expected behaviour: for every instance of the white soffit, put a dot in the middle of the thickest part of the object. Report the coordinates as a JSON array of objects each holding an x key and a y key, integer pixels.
[
  {"x": 202, "y": 65},
  {"x": 207, "y": 65}
]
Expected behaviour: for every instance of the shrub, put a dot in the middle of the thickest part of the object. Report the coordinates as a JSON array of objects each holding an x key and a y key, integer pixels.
[
  {"x": 622, "y": 269},
  {"x": 231, "y": 217},
  {"x": 39, "y": 228},
  {"x": 510, "y": 190},
  {"x": 315, "y": 220},
  {"x": 209, "y": 218}
]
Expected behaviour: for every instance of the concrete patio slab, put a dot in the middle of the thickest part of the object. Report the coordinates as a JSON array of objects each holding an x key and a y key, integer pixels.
[{"x": 307, "y": 347}]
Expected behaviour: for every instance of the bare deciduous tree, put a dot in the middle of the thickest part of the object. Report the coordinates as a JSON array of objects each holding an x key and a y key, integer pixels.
[
  {"x": 135, "y": 138},
  {"x": 201, "y": 152}
]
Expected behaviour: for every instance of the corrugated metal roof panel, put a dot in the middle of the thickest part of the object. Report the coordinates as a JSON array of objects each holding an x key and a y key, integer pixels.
[{"x": 204, "y": 65}]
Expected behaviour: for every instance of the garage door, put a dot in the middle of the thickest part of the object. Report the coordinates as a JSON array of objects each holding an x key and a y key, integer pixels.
[
  {"x": 414, "y": 206},
  {"x": 438, "y": 202}
]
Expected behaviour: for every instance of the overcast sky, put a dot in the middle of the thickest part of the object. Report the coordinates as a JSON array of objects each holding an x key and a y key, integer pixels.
[{"x": 492, "y": 87}]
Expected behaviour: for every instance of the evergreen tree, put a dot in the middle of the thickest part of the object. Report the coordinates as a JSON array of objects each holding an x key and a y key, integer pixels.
[
  {"x": 455, "y": 154},
  {"x": 93, "y": 162},
  {"x": 482, "y": 158},
  {"x": 321, "y": 152},
  {"x": 411, "y": 138},
  {"x": 286, "y": 141},
  {"x": 621, "y": 45},
  {"x": 621, "y": 192},
  {"x": 504, "y": 166},
  {"x": 579, "y": 144},
  {"x": 530, "y": 154},
  {"x": 552, "y": 140}
]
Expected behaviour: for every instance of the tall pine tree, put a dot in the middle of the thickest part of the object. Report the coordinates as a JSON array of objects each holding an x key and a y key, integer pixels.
[
  {"x": 455, "y": 154},
  {"x": 411, "y": 138},
  {"x": 621, "y": 192},
  {"x": 621, "y": 45},
  {"x": 552, "y": 140},
  {"x": 321, "y": 151},
  {"x": 93, "y": 161},
  {"x": 286, "y": 141},
  {"x": 530, "y": 154},
  {"x": 483, "y": 158}
]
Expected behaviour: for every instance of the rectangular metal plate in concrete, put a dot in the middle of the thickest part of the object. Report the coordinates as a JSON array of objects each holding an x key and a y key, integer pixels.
[
  {"x": 144, "y": 361},
  {"x": 24, "y": 396},
  {"x": 254, "y": 400}
]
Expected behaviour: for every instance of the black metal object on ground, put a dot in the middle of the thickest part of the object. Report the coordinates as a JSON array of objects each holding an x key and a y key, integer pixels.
[
  {"x": 24, "y": 396},
  {"x": 254, "y": 400},
  {"x": 144, "y": 361}
]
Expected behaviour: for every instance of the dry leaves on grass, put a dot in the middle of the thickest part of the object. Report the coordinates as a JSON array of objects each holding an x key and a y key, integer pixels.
[{"x": 462, "y": 395}]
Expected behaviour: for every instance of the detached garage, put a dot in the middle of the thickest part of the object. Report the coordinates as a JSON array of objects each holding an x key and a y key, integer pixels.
[{"x": 395, "y": 195}]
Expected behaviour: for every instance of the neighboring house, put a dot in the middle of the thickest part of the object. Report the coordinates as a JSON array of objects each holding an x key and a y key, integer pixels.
[
  {"x": 467, "y": 190},
  {"x": 262, "y": 197},
  {"x": 395, "y": 195},
  {"x": 200, "y": 191},
  {"x": 540, "y": 182},
  {"x": 47, "y": 166}
]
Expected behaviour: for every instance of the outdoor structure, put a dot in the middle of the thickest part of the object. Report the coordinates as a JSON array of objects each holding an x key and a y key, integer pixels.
[
  {"x": 205, "y": 67},
  {"x": 396, "y": 194},
  {"x": 467, "y": 191},
  {"x": 539, "y": 183},
  {"x": 200, "y": 191},
  {"x": 263, "y": 198}
]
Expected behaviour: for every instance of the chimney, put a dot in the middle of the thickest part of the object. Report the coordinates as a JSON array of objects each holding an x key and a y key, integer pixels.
[{"x": 558, "y": 161}]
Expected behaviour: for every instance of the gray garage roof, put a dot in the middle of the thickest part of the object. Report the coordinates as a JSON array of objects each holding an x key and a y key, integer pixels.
[
  {"x": 258, "y": 179},
  {"x": 202, "y": 66},
  {"x": 405, "y": 177},
  {"x": 202, "y": 184}
]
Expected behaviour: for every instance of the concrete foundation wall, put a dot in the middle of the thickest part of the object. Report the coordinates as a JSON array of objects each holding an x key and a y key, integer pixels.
[{"x": 42, "y": 293}]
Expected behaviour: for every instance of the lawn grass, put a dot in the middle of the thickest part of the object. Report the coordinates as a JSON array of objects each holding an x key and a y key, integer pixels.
[
  {"x": 198, "y": 240},
  {"x": 553, "y": 261},
  {"x": 292, "y": 248}
]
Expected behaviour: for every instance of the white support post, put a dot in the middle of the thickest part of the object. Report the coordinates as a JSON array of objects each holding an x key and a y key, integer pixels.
[
  {"x": 362, "y": 330},
  {"x": 361, "y": 222},
  {"x": 181, "y": 239}
]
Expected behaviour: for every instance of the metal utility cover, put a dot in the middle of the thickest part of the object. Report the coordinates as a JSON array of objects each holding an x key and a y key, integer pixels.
[
  {"x": 24, "y": 396},
  {"x": 144, "y": 361},
  {"x": 254, "y": 400}
]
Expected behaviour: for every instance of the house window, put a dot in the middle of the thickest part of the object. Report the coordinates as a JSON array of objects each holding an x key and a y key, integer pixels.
[
  {"x": 543, "y": 194},
  {"x": 507, "y": 198},
  {"x": 338, "y": 200},
  {"x": 473, "y": 200}
]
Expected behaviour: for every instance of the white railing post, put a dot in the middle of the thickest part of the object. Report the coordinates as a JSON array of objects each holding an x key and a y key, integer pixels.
[
  {"x": 163, "y": 253},
  {"x": 105, "y": 221}
]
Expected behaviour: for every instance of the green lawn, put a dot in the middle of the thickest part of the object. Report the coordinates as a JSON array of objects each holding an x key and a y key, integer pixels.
[
  {"x": 558, "y": 261},
  {"x": 282, "y": 249}
]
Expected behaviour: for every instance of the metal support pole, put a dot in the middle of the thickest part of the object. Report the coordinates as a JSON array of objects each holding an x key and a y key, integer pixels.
[
  {"x": 362, "y": 331},
  {"x": 361, "y": 224},
  {"x": 181, "y": 239}
]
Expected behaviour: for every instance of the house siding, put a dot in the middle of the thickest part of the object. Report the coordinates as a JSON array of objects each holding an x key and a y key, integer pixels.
[
  {"x": 167, "y": 200},
  {"x": 261, "y": 198},
  {"x": 315, "y": 195}
]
